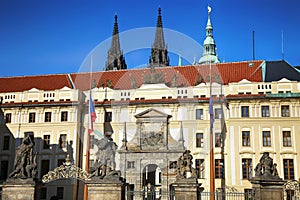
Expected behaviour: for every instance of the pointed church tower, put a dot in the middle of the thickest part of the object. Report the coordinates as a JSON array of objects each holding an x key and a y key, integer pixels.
[
  {"x": 209, "y": 46},
  {"x": 159, "y": 53},
  {"x": 115, "y": 59}
]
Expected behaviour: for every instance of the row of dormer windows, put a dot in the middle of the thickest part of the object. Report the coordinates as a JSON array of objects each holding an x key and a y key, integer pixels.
[
  {"x": 181, "y": 91},
  {"x": 266, "y": 86},
  {"x": 125, "y": 94},
  {"x": 49, "y": 95},
  {"x": 10, "y": 96}
]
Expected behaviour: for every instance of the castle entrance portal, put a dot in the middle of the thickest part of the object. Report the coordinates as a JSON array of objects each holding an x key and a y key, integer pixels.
[
  {"x": 146, "y": 157},
  {"x": 152, "y": 175},
  {"x": 151, "y": 181}
]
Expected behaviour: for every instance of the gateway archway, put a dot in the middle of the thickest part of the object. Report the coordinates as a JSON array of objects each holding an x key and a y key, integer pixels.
[
  {"x": 151, "y": 180},
  {"x": 147, "y": 156},
  {"x": 152, "y": 175}
]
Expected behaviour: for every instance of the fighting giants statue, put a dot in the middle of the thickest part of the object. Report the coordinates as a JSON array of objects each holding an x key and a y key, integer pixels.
[
  {"x": 25, "y": 160},
  {"x": 184, "y": 167},
  {"x": 266, "y": 168},
  {"x": 105, "y": 165}
]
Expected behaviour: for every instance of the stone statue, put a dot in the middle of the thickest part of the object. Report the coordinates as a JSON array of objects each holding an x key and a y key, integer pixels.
[
  {"x": 105, "y": 164},
  {"x": 184, "y": 166},
  {"x": 258, "y": 169},
  {"x": 275, "y": 172},
  {"x": 31, "y": 169},
  {"x": 266, "y": 168},
  {"x": 25, "y": 165}
]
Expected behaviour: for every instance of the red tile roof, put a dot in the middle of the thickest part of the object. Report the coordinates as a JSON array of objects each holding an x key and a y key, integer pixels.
[
  {"x": 179, "y": 76},
  {"x": 43, "y": 82},
  {"x": 185, "y": 75}
]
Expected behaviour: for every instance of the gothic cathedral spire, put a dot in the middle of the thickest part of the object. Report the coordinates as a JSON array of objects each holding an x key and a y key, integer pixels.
[
  {"x": 115, "y": 59},
  {"x": 159, "y": 53},
  {"x": 209, "y": 46}
]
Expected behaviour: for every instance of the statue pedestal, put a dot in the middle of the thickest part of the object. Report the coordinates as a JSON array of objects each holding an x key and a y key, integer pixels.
[
  {"x": 105, "y": 189},
  {"x": 19, "y": 189},
  {"x": 267, "y": 188},
  {"x": 187, "y": 189}
]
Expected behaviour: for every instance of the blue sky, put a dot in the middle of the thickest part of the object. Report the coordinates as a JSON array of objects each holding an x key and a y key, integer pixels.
[{"x": 55, "y": 36}]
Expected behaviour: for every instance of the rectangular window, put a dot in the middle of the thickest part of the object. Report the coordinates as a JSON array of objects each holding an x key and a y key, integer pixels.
[
  {"x": 63, "y": 141},
  {"x": 218, "y": 140},
  {"x": 219, "y": 168},
  {"x": 108, "y": 116},
  {"x": 43, "y": 194},
  {"x": 247, "y": 168},
  {"x": 4, "y": 169},
  {"x": 200, "y": 168},
  {"x": 246, "y": 138},
  {"x": 46, "y": 142},
  {"x": 265, "y": 111},
  {"x": 31, "y": 117},
  {"x": 218, "y": 113},
  {"x": 285, "y": 111},
  {"x": 172, "y": 164},
  {"x": 6, "y": 141},
  {"x": 130, "y": 164},
  {"x": 287, "y": 140},
  {"x": 245, "y": 111},
  {"x": 47, "y": 116},
  {"x": 288, "y": 167},
  {"x": 8, "y": 118},
  {"x": 45, "y": 164},
  {"x": 199, "y": 139},
  {"x": 64, "y": 116},
  {"x": 60, "y": 192},
  {"x": 199, "y": 113},
  {"x": 266, "y": 138}
]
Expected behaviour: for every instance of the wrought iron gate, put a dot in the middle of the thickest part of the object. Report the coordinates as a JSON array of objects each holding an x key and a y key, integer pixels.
[
  {"x": 291, "y": 190},
  {"x": 149, "y": 195}
]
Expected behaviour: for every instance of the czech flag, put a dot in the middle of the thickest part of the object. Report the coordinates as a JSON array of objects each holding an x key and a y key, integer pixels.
[{"x": 92, "y": 115}]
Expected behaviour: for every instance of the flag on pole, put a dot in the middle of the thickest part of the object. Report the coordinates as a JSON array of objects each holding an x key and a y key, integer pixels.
[
  {"x": 211, "y": 113},
  {"x": 211, "y": 109},
  {"x": 92, "y": 115}
]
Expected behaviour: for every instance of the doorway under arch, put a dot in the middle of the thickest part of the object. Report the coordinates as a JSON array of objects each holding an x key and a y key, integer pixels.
[{"x": 152, "y": 175}]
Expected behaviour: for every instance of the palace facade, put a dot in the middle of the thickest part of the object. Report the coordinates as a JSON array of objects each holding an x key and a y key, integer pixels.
[{"x": 154, "y": 114}]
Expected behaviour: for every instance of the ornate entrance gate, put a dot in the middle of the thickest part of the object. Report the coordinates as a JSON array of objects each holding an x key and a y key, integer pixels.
[
  {"x": 66, "y": 178},
  {"x": 147, "y": 158},
  {"x": 292, "y": 190},
  {"x": 66, "y": 170}
]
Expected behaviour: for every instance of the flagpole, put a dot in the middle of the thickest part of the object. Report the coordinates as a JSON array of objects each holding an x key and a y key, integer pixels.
[
  {"x": 211, "y": 119},
  {"x": 87, "y": 154}
]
